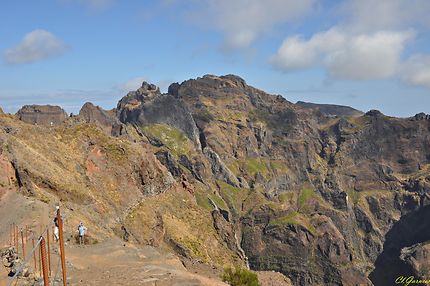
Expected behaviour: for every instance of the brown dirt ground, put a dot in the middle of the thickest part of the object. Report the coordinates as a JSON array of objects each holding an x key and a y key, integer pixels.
[{"x": 110, "y": 262}]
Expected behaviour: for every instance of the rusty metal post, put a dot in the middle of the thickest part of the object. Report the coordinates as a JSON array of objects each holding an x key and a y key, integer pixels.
[
  {"x": 62, "y": 253},
  {"x": 34, "y": 257},
  {"x": 49, "y": 252},
  {"x": 40, "y": 264},
  {"x": 13, "y": 231},
  {"x": 10, "y": 235},
  {"x": 23, "y": 245},
  {"x": 44, "y": 262},
  {"x": 16, "y": 240}
]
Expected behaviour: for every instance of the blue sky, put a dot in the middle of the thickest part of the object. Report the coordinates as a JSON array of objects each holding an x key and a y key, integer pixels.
[{"x": 363, "y": 53}]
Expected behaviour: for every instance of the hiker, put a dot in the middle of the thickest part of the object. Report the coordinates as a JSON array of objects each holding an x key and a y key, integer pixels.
[
  {"x": 56, "y": 230},
  {"x": 82, "y": 230}
]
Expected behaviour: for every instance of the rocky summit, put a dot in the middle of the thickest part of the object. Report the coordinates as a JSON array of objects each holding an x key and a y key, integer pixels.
[
  {"x": 42, "y": 114},
  {"x": 221, "y": 173}
]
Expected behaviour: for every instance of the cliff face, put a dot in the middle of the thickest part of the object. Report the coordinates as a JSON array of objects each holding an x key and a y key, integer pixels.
[
  {"x": 42, "y": 114},
  {"x": 106, "y": 119},
  {"x": 221, "y": 172}
]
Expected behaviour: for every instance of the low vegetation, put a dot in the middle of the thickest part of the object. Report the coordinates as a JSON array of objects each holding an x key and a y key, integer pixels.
[
  {"x": 176, "y": 141},
  {"x": 239, "y": 277}
]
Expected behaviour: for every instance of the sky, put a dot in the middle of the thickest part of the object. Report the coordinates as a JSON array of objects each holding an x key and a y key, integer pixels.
[{"x": 368, "y": 54}]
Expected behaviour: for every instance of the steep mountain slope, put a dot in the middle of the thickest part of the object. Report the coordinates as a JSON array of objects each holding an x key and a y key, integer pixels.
[
  {"x": 331, "y": 109},
  {"x": 223, "y": 173}
]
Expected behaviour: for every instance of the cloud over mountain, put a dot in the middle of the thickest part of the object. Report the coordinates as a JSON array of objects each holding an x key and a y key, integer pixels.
[
  {"x": 345, "y": 56},
  {"x": 35, "y": 46}
]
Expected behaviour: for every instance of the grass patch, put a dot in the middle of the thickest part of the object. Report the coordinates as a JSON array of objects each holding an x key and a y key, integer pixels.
[
  {"x": 253, "y": 166},
  {"x": 202, "y": 198},
  {"x": 176, "y": 141},
  {"x": 233, "y": 197},
  {"x": 294, "y": 218},
  {"x": 286, "y": 198},
  {"x": 305, "y": 195},
  {"x": 353, "y": 196}
]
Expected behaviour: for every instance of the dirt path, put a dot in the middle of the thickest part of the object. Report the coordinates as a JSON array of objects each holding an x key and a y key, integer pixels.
[
  {"x": 23, "y": 212},
  {"x": 112, "y": 263},
  {"x": 106, "y": 263}
]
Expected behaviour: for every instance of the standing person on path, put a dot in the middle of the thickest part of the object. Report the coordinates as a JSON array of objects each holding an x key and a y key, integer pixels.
[
  {"x": 56, "y": 230},
  {"x": 82, "y": 230}
]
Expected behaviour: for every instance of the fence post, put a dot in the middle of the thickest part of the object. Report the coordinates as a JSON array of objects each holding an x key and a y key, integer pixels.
[
  {"x": 40, "y": 264},
  {"x": 44, "y": 262},
  {"x": 16, "y": 240},
  {"x": 10, "y": 234},
  {"x": 13, "y": 232},
  {"x": 23, "y": 245},
  {"x": 34, "y": 257},
  {"x": 63, "y": 255},
  {"x": 49, "y": 252}
]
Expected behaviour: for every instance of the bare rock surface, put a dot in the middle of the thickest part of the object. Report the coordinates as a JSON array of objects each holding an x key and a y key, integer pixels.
[{"x": 42, "y": 114}]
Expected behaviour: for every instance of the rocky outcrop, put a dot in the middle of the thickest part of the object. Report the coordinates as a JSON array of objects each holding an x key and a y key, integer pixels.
[
  {"x": 106, "y": 119},
  {"x": 219, "y": 169},
  {"x": 417, "y": 257},
  {"x": 42, "y": 114},
  {"x": 331, "y": 109},
  {"x": 1, "y": 111},
  {"x": 148, "y": 106},
  {"x": 169, "y": 162},
  {"x": 421, "y": 116}
]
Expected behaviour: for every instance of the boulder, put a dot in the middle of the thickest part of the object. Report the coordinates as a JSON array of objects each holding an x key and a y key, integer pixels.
[{"x": 47, "y": 115}]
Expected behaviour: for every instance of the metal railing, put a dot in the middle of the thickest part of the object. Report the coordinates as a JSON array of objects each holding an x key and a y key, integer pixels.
[{"x": 42, "y": 246}]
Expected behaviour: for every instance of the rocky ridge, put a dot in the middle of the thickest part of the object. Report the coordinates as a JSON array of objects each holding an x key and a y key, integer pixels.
[
  {"x": 278, "y": 186},
  {"x": 42, "y": 114},
  {"x": 331, "y": 109}
]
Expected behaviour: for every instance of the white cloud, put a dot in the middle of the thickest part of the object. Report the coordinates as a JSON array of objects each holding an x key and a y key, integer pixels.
[
  {"x": 371, "y": 15},
  {"x": 345, "y": 55},
  {"x": 416, "y": 70},
  {"x": 131, "y": 84},
  {"x": 243, "y": 21},
  {"x": 36, "y": 45}
]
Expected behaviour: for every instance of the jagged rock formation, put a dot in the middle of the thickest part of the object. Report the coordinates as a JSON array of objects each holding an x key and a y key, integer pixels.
[
  {"x": 331, "y": 109},
  {"x": 106, "y": 119},
  {"x": 221, "y": 172},
  {"x": 147, "y": 106},
  {"x": 1, "y": 111},
  {"x": 418, "y": 258},
  {"x": 42, "y": 114}
]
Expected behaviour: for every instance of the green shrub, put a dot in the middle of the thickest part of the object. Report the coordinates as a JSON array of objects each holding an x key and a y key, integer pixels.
[{"x": 239, "y": 277}]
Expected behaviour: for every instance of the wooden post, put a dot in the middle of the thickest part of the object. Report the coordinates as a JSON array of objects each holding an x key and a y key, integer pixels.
[
  {"x": 23, "y": 245},
  {"x": 44, "y": 262},
  {"x": 62, "y": 253},
  {"x": 34, "y": 257},
  {"x": 49, "y": 252}
]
